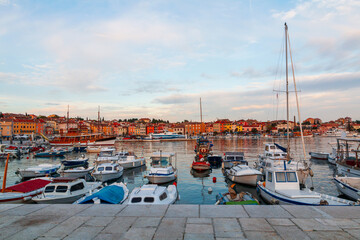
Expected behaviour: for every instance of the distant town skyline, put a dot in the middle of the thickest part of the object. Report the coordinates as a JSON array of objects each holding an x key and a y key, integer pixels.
[{"x": 156, "y": 59}]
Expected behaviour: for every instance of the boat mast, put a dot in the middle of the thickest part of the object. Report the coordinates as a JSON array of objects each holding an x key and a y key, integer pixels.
[
  {"x": 287, "y": 98},
  {"x": 67, "y": 121},
  {"x": 201, "y": 122},
  {"x": 98, "y": 119}
]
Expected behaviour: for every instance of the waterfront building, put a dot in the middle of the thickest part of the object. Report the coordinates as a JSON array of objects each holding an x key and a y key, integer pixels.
[
  {"x": 222, "y": 125},
  {"x": 6, "y": 129},
  {"x": 194, "y": 128}
]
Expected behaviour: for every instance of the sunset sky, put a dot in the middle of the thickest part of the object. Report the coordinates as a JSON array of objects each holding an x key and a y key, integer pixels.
[{"x": 157, "y": 58}]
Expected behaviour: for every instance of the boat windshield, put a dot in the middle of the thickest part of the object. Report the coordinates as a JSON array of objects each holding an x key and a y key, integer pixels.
[
  {"x": 100, "y": 169},
  {"x": 49, "y": 189},
  {"x": 149, "y": 199},
  {"x": 108, "y": 168},
  {"x": 61, "y": 189},
  {"x": 286, "y": 177},
  {"x": 163, "y": 196}
]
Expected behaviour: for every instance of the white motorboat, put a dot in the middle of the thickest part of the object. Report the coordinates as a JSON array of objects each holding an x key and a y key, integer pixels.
[
  {"x": 153, "y": 194},
  {"x": 107, "y": 171},
  {"x": 319, "y": 155},
  {"x": 274, "y": 157},
  {"x": 115, "y": 193},
  {"x": 166, "y": 135},
  {"x": 161, "y": 170},
  {"x": 78, "y": 172},
  {"x": 65, "y": 190},
  {"x": 130, "y": 160},
  {"x": 282, "y": 187},
  {"x": 243, "y": 174},
  {"x": 349, "y": 186},
  {"x": 233, "y": 158},
  {"x": 41, "y": 170},
  {"x": 23, "y": 192},
  {"x": 107, "y": 155}
]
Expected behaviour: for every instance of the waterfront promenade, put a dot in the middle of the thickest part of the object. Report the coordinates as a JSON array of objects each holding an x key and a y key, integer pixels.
[{"x": 42, "y": 221}]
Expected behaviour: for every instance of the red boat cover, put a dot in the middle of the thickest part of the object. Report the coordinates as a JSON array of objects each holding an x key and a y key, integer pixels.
[{"x": 28, "y": 186}]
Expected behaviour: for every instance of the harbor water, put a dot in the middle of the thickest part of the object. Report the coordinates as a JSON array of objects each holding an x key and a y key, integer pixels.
[{"x": 194, "y": 187}]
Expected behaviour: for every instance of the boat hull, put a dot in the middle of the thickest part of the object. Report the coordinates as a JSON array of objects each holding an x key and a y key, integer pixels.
[
  {"x": 347, "y": 170},
  {"x": 201, "y": 166},
  {"x": 320, "y": 156},
  {"x": 132, "y": 164},
  {"x": 103, "y": 177},
  {"x": 65, "y": 200},
  {"x": 75, "y": 174},
  {"x": 159, "y": 179},
  {"x": 347, "y": 190},
  {"x": 250, "y": 180}
]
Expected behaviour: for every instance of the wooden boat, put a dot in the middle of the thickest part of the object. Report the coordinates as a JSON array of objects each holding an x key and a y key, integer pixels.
[
  {"x": 108, "y": 171},
  {"x": 23, "y": 192},
  {"x": 65, "y": 190},
  {"x": 243, "y": 174},
  {"x": 247, "y": 199},
  {"x": 153, "y": 194},
  {"x": 41, "y": 170},
  {"x": 349, "y": 186},
  {"x": 115, "y": 193},
  {"x": 78, "y": 172},
  {"x": 348, "y": 152},
  {"x": 319, "y": 155}
]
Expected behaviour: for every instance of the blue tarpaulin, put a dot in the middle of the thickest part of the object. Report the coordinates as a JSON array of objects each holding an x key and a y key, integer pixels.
[
  {"x": 280, "y": 147},
  {"x": 110, "y": 194}
]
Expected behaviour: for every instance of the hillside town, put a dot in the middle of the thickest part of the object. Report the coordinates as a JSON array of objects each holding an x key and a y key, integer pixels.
[{"x": 12, "y": 125}]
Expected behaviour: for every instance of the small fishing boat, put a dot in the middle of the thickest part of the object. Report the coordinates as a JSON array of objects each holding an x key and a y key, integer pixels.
[
  {"x": 115, "y": 193},
  {"x": 78, "y": 172},
  {"x": 233, "y": 158},
  {"x": 65, "y": 190},
  {"x": 282, "y": 187},
  {"x": 23, "y": 192},
  {"x": 202, "y": 150},
  {"x": 130, "y": 160},
  {"x": 349, "y": 186},
  {"x": 246, "y": 199},
  {"x": 161, "y": 170},
  {"x": 82, "y": 161},
  {"x": 348, "y": 163},
  {"x": 201, "y": 165},
  {"x": 41, "y": 170},
  {"x": 93, "y": 149},
  {"x": 319, "y": 155},
  {"x": 243, "y": 174},
  {"x": 153, "y": 194},
  {"x": 108, "y": 171},
  {"x": 333, "y": 156},
  {"x": 107, "y": 155},
  {"x": 51, "y": 153}
]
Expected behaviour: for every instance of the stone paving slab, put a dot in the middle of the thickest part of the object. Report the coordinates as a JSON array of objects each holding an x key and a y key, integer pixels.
[
  {"x": 227, "y": 228},
  {"x": 119, "y": 225},
  {"x": 222, "y": 211},
  {"x": 66, "y": 227},
  {"x": 102, "y": 210},
  {"x": 61, "y": 209},
  {"x": 24, "y": 209},
  {"x": 301, "y": 212},
  {"x": 144, "y": 210},
  {"x": 4, "y": 207},
  {"x": 325, "y": 235},
  {"x": 199, "y": 220},
  {"x": 99, "y": 221},
  {"x": 139, "y": 233},
  {"x": 256, "y": 235},
  {"x": 175, "y": 226},
  {"x": 199, "y": 228},
  {"x": 255, "y": 224},
  {"x": 341, "y": 211},
  {"x": 280, "y": 222},
  {"x": 198, "y": 236},
  {"x": 267, "y": 211},
  {"x": 313, "y": 225},
  {"x": 183, "y": 211},
  {"x": 354, "y": 232},
  {"x": 291, "y": 232},
  {"x": 84, "y": 233}
]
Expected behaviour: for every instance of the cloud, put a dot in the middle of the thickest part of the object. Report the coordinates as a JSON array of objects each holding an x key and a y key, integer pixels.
[
  {"x": 263, "y": 106},
  {"x": 52, "y": 104},
  {"x": 175, "y": 99}
]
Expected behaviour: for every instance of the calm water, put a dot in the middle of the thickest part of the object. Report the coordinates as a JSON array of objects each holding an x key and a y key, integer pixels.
[{"x": 193, "y": 187}]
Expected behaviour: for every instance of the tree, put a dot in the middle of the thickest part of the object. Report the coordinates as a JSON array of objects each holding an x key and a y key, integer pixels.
[{"x": 254, "y": 130}]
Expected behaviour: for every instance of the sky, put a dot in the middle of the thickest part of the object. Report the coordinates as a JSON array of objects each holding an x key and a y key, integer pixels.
[{"x": 157, "y": 58}]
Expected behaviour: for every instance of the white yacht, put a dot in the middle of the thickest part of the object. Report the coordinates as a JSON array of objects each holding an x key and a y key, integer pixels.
[
  {"x": 243, "y": 174},
  {"x": 41, "y": 170},
  {"x": 282, "y": 187},
  {"x": 161, "y": 170},
  {"x": 107, "y": 171},
  {"x": 130, "y": 160},
  {"x": 65, "y": 190},
  {"x": 153, "y": 194}
]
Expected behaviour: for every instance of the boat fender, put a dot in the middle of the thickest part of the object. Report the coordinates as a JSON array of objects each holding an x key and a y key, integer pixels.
[
  {"x": 311, "y": 173},
  {"x": 214, "y": 179},
  {"x": 264, "y": 184},
  {"x": 210, "y": 190},
  {"x": 27, "y": 198},
  {"x": 342, "y": 186},
  {"x": 274, "y": 201},
  {"x": 323, "y": 202}
]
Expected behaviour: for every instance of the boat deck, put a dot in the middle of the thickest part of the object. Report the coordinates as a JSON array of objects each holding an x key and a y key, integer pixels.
[{"x": 66, "y": 221}]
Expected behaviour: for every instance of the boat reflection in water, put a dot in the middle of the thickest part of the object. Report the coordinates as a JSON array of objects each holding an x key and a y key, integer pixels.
[{"x": 200, "y": 174}]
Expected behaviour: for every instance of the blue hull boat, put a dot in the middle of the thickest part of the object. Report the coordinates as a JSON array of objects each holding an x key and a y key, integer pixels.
[
  {"x": 115, "y": 193},
  {"x": 50, "y": 154},
  {"x": 75, "y": 162}
]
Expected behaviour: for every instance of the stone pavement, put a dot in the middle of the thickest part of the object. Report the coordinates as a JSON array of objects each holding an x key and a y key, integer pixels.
[{"x": 43, "y": 221}]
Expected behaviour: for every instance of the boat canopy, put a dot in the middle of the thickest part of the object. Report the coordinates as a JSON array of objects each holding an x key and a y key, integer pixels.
[
  {"x": 109, "y": 195},
  {"x": 28, "y": 186}
]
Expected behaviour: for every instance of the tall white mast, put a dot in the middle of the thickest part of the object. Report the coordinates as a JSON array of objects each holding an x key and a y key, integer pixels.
[{"x": 287, "y": 98}]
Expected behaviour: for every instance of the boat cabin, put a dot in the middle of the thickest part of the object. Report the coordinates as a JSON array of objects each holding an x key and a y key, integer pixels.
[
  {"x": 108, "y": 167},
  {"x": 274, "y": 152},
  {"x": 149, "y": 194},
  {"x": 234, "y": 156},
  {"x": 348, "y": 150},
  {"x": 277, "y": 180},
  {"x": 64, "y": 186}
]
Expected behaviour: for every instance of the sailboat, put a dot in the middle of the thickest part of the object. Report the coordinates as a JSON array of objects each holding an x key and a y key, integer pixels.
[
  {"x": 202, "y": 150},
  {"x": 282, "y": 184}
]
